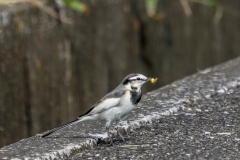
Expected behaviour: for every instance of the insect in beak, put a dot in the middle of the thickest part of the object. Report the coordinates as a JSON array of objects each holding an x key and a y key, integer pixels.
[{"x": 153, "y": 80}]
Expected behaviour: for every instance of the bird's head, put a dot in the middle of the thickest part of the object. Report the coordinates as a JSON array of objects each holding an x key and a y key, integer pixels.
[{"x": 134, "y": 81}]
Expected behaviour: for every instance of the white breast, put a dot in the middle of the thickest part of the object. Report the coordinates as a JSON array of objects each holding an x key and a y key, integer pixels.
[
  {"x": 126, "y": 105},
  {"x": 122, "y": 110}
]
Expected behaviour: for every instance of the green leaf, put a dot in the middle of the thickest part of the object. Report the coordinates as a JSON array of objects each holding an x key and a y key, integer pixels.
[
  {"x": 213, "y": 4},
  {"x": 76, "y": 5},
  {"x": 151, "y": 6}
]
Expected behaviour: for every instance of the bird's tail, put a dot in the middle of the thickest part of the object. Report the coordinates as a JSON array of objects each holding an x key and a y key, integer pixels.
[{"x": 59, "y": 128}]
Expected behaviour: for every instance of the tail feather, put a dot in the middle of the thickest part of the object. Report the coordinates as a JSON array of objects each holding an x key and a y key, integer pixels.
[{"x": 60, "y": 128}]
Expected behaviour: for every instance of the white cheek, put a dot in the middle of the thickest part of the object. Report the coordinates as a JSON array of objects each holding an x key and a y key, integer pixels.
[
  {"x": 138, "y": 85},
  {"x": 128, "y": 86}
]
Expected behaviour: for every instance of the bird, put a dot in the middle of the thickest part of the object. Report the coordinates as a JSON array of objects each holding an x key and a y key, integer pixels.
[{"x": 114, "y": 106}]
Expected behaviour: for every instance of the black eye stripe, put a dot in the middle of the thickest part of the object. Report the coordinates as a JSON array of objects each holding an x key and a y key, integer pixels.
[{"x": 135, "y": 79}]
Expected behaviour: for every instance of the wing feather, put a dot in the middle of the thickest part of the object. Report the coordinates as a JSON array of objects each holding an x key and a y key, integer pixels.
[{"x": 112, "y": 99}]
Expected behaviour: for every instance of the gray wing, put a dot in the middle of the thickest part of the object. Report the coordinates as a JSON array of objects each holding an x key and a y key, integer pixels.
[
  {"x": 116, "y": 93},
  {"x": 110, "y": 100}
]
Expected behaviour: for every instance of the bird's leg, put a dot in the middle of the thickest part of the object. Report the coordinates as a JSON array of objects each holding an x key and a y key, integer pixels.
[
  {"x": 119, "y": 132},
  {"x": 107, "y": 128},
  {"x": 129, "y": 125}
]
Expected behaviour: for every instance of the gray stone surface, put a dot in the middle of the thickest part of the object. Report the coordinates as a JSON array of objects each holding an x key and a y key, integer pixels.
[
  {"x": 203, "y": 129},
  {"x": 196, "y": 117}
]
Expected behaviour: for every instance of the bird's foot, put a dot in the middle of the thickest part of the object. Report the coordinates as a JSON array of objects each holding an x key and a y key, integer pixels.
[
  {"x": 121, "y": 136},
  {"x": 110, "y": 135},
  {"x": 111, "y": 141}
]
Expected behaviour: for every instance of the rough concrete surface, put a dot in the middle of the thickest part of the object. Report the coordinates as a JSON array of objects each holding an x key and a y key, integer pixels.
[
  {"x": 193, "y": 118},
  {"x": 204, "y": 129}
]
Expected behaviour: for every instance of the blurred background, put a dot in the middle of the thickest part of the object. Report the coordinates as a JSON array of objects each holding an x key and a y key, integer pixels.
[{"x": 58, "y": 57}]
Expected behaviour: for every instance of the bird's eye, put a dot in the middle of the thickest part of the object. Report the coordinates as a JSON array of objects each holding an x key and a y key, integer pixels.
[{"x": 138, "y": 78}]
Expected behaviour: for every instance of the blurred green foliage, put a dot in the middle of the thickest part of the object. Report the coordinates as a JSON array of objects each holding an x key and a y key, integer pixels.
[
  {"x": 214, "y": 4},
  {"x": 151, "y": 6},
  {"x": 75, "y": 5},
  {"x": 209, "y": 3}
]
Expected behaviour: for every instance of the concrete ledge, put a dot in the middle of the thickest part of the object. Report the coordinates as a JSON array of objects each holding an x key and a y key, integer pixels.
[{"x": 166, "y": 101}]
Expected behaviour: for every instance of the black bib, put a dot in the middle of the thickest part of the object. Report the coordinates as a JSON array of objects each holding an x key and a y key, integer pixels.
[{"x": 136, "y": 97}]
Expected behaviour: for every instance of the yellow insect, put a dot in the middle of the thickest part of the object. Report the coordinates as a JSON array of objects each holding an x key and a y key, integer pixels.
[{"x": 153, "y": 80}]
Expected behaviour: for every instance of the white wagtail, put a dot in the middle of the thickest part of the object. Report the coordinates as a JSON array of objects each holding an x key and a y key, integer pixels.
[{"x": 116, "y": 105}]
